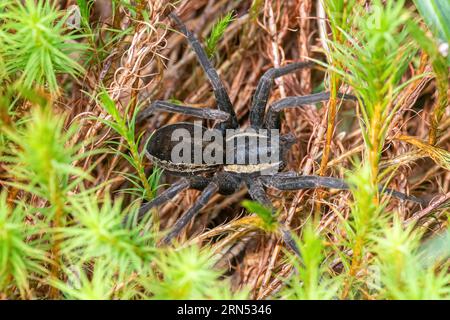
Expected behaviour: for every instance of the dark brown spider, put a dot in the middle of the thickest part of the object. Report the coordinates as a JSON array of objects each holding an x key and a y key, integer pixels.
[{"x": 225, "y": 177}]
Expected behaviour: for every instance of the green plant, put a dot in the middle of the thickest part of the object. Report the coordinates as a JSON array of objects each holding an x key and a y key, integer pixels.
[
  {"x": 312, "y": 279},
  {"x": 401, "y": 270},
  {"x": 95, "y": 252},
  {"x": 267, "y": 220},
  {"x": 20, "y": 259},
  {"x": 143, "y": 186},
  {"x": 339, "y": 14},
  {"x": 367, "y": 219},
  {"x": 40, "y": 157},
  {"x": 435, "y": 13},
  {"x": 373, "y": 62},
  {"x": 36, "y": 43},
  {"x": 98, "y": 230},
  {"x": 188, "y": 274},
  {"x": 88, "y": 283},
  {"x": 217, "y": 33}
]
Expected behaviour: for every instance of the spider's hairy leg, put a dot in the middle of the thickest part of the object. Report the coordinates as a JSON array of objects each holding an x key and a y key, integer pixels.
[
  {"x": 272, "y": 120},
  {"x": 222, "y": 98},
  {"x": 203, "y": 113},
  {"x": 222, "y": 182},
  {"x": 264, "y": 87},
  {"x": 165, "y": 196},
  {"x": 290, "y": 183},
  {"x": 257, "y": 193},
  {"x": 196, "y": 182},
  {"x": 207, "y": 193}
]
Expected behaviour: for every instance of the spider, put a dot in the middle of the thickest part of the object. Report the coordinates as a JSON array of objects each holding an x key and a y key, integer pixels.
[{"x": 226, "y": 179}]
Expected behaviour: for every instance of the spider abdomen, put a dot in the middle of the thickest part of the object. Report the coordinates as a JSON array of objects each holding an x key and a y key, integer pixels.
[
  {"x": 177, "y": 149},
  {"x": 190, "y": 148}
]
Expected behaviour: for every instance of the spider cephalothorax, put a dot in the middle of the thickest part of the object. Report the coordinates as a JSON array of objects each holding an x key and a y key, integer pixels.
[{"x": 224, "y": 158}]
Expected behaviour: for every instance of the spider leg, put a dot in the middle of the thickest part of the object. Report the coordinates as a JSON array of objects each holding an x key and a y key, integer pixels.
[
  {"x": 285, "y": 183},
  {"x": 207, "y": 193},
  {"x": 222, "y": 182},
  {"x": 264, "y": 87},
  {"x": 165, "y": 196},
  {"x": 196, "y": 182},
  {"x": 222, "y": 98},
  {"x": 204, "y": 113},
  {"x": 272, "y": 120},
  {"x": 257, "y": 193}
]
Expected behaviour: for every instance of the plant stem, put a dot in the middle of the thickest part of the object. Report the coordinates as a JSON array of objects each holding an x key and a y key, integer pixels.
[
  {"x": 374, "y": 146},
  {"x": 55, "y": 200},
  {"x": 332, "y": 112},
  {"x": 331, "y": 122},
  {"x": 356, "y": 262},
  {"x": 140, "y": 169},
  {"x": 441, "y": 103}
]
